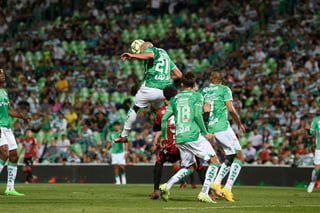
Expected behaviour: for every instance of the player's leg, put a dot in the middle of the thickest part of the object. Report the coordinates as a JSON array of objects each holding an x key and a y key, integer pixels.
[
  {"x": 4, "y": 154},
  {"x": 116, "y": 173},
  {"x": 115, "y": 162},
  {"x": 123, "y": 174},
  {"x": 188, "y": 165},
  {"x": 12, "y": 163},
  {"x": 4, "y": 150},
  {"x": 203, "y": 148},
  {"x": 223, "y": 171},
  {"x": 234, "y": 154},
  {"x": 27, "y": 170},
  {"x": 157, "y": 173},
  {"x": 315, "y": 172}
]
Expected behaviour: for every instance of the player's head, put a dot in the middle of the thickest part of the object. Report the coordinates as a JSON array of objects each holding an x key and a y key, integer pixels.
[
  {"x": 2, "y": 76},
  {"x": 216, "y": 77},
  {"x": 28, "y": 133},
  {"x": 188, "y": 80},
  {"x": 145, "y": 45},
  {"x": 116, "y": 126},
  {"x": 169, "y": 92}
]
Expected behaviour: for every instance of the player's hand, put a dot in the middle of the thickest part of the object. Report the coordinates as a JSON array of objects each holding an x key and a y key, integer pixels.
[
  {"x": 242, "y": 128},
  {"x": 206, "y": 107},
  {"x": 163, "y": 142},
  {"x": 126, "y": 56},
  {"x": 307, "y": 127},
  {"x": 27, "y": 118},
  {"x": 209, "y": 136}
]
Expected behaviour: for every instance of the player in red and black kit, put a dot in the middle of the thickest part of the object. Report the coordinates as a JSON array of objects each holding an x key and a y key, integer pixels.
[
  {"x": 168, "y": 152},
  {"x": 30, "y": 145}
]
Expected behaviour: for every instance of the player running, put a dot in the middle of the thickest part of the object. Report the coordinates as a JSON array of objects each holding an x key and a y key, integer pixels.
[
  {"x": 186, "y": 107},
  {"x": 8, "y": 144},
  {"x": 159, "y": 72},
  {"x": 169, "y": 152},
  {"x": 218, "y": 102},
  {"x": 315, "y": 128}
]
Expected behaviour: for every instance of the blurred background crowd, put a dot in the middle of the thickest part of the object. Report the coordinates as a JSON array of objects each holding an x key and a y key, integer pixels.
[{"x": 63, "y": 69}]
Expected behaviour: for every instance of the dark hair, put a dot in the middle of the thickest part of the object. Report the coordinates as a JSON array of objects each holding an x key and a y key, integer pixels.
[
  {"x": 169, "y": 92},
  {"x": 116, "y": 123},
  {"x": 188, "y": 79}
]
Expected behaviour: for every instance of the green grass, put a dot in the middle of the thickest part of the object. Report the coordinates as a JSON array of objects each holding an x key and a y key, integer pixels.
[{"x": 133, "y": 198}]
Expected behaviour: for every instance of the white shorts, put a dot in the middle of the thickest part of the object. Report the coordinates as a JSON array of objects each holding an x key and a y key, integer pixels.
[
  {"x": 148, "y": 95},
  {"x": 118, "y": 158},
  {"x": 7, "y": 138},
  {"x": 317, "y": 157},
  {"x": 228, "y": 141},
  {"x": 200, "y": 148}
]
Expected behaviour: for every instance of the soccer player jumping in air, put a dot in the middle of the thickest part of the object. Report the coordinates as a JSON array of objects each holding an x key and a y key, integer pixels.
[
  {"x": 218, "y": 102},
  {"x": 8, "y": 145},
  {"x": 159, "y": 72},
  {"x": 186, "y": 107}
]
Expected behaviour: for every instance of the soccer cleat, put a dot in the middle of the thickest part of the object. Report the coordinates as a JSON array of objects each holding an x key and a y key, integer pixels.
[
  {"x": 121, "y": 140},
  {"x": 217, "y": 189},
  {"x": 164, "y": 192},
  {"x": 311, "y": 186},
  {"x": 228, "y": 195},
  {"x": 205, "y": 198},
  {"x": 194, "y": 186},
  {"x": 13, "y": 192},
  {"x": 34, "y": 179},
  {"x": 183, "y": 185},
  {"x": 154, "y": 195}
]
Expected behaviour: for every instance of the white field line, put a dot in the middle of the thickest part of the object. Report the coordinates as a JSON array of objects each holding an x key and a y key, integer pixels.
[{"x": 236, "y": 207}]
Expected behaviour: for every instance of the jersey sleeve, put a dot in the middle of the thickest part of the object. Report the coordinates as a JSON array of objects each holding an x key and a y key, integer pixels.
[{"x": 171, "y": 64}]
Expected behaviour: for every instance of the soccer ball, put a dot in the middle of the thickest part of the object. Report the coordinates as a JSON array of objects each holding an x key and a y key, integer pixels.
[{"x": 135, "y": 45}]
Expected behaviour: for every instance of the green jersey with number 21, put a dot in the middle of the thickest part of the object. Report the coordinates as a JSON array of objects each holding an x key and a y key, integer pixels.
[
  {"x": 157, "y": 70},
  {"x": 187, "y": 109},
  {"x": 216, "y": 95}
]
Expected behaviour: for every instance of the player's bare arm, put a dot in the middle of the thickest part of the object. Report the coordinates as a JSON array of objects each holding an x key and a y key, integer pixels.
[
  {"x": 176, "y": 73},
  {"x": 234, "y": 115},
  {"x": 141, "y": 56},
  {"x": 14, "y": 113}
]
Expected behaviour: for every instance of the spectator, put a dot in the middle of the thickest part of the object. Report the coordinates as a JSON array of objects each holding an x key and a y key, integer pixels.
[{"x": 249, "y": 153}]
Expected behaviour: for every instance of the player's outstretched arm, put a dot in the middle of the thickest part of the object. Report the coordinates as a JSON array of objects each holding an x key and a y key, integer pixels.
[
  {"x": 141, "y": 56},
  {"x": 234, "y": 115},
  {"x": 14, "y": 113}
]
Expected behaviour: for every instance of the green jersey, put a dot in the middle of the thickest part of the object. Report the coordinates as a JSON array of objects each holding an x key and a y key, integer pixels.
[
  {"x": 158, "y": 69},
  {"x": 315, "y": 127},
  {"x": 187, "y": 109},
  {"x": 216, "y": 95},
  {"x": 115, "y": 147},
  {"x": 4, "y": 111}
]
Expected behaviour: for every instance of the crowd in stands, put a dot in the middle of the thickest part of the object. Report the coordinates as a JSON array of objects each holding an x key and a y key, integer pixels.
[{"x": 63, "y": 69}]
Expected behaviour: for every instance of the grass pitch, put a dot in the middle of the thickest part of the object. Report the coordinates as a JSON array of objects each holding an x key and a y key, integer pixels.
[{"x": 109, "y": 198}]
